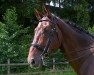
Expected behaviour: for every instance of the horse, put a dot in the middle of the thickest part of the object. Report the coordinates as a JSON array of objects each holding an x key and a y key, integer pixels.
[{"x": 53, "y": 32}]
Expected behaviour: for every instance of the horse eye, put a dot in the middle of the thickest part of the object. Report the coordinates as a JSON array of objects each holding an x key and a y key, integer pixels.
[{"x": 46, "y": 30}]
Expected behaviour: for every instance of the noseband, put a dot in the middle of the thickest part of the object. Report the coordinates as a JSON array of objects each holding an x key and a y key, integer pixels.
[{"x": 50, "y": 36}]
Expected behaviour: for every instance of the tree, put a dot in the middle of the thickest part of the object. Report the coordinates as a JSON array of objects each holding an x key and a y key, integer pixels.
[
  {"x": 13, "y": 37},
  {"x": 77, "y": 11},
  {"x": 91, "y": 11}
]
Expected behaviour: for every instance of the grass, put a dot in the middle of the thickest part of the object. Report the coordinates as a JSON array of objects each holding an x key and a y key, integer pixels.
[
  {"x": 48, "y": 73},
  {"x": 60, "y": 73},
  {"x": 55, "y": 73}
]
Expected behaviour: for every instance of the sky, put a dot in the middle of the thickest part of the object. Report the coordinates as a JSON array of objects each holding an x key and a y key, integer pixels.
[{"x": 56, "y": 5}]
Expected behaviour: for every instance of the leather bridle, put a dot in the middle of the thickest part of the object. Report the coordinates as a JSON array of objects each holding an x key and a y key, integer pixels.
[{"x": 50, "y": 36}]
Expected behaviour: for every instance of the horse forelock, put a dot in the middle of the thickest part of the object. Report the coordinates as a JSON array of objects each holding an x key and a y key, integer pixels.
[{"x": 41, "y": 26}]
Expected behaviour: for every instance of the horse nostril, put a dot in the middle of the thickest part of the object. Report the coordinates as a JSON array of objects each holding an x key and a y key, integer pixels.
[{"x": 32, "y": 61}]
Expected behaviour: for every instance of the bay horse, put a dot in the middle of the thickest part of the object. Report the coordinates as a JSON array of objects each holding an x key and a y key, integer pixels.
[{"x": 52, "y": 33}]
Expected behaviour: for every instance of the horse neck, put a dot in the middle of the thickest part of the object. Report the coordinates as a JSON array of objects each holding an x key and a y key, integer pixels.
[
  {"x": 72, "y": 42},
  {"x": 70, "y": 36}
]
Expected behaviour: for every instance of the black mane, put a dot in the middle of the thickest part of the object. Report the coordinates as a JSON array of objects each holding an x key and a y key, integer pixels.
[{"x": 77, "y": 28}]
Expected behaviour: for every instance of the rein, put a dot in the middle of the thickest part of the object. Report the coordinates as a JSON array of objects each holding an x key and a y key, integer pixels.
[{"x": 81, "y": 50}]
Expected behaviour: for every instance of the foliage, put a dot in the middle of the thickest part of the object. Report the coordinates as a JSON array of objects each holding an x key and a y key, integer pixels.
[
  {"x": 3, "y": 36},
  {"x": 13, "y": 39},
  {"x": 82, "y": 14},
  {"x": 76, "y": 11},
  {"x": 91, "y": 30}
]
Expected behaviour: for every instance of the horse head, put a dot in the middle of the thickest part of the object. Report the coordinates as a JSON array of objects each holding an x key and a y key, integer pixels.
[{"x": 46, "y": 38}]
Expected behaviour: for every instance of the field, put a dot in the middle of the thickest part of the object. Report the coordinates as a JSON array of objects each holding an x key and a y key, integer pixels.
[
  {"x": 55, "y": 73},
  {"x": 48, "y": 73}
]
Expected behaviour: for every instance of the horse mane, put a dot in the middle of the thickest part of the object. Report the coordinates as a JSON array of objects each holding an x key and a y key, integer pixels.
[{"x": 75, "y": 27}]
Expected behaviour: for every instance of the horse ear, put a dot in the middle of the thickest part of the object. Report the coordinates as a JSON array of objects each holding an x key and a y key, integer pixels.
[
  {"x": 38, "y": 14},
  {"x": 47, "y": 12}
]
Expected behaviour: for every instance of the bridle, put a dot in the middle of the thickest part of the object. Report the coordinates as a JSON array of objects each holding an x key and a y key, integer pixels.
[
  {"x": 49, "y": 40},
  {"x": 50, "y": 36}
]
